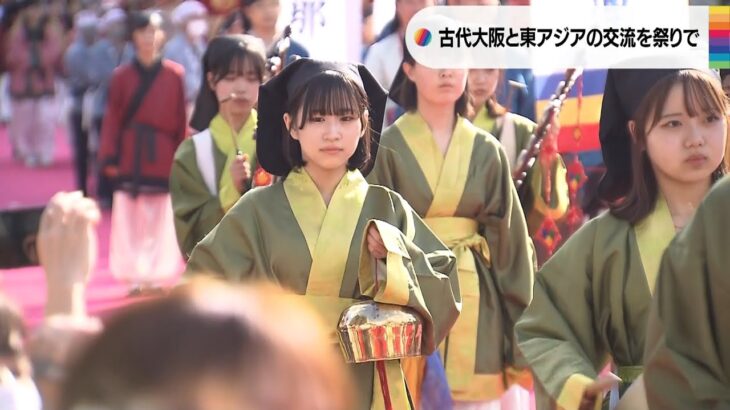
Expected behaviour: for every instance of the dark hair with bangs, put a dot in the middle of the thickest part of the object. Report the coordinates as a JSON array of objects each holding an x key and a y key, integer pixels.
[
  {"x": 409, "y": 91},
  {"x": 232, "y": 53},
  {"x": 328, "y": 93},
  {"x": 702, "y": 94},
  {"x": 140, "y": 20}
]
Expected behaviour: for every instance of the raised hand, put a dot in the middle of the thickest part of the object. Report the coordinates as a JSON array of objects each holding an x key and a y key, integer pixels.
[{"x": 240, "y": 171}]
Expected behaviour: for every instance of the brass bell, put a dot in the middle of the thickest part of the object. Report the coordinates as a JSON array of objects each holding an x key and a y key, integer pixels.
[{"x": 371, "y": 331}]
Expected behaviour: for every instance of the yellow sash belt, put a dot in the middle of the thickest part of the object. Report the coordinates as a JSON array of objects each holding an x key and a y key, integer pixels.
[{"x": 462, "y": 237}]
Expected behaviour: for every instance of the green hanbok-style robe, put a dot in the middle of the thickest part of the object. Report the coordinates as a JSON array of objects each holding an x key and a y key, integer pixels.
[
  {"x": 196, "y": 210},
  {"x": 196, "y": 202},
  {"x": 590, "y": 305},
  {"x": 687, "y": 357},
  {"x": 286, "y": 234},
  {"x": 469, "y": 201}
]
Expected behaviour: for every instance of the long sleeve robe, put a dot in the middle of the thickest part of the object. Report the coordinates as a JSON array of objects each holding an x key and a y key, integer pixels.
[
  {"x": 143, "y": 149},
  {"x": 468, "y": 199},
  {"x": 590, "y": 305},
  {"x": 197, "y": 207},
  {"x": 688, "y": 338},
  {"x": 286, "y": 234},
  {"x": 196, "y": 210}
]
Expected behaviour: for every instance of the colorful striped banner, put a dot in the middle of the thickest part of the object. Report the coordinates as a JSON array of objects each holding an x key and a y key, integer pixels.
[
  {"x": 719, "y": 37},
  {"x": 578, "y": 118},
  {"x": 593, "y": 82}
]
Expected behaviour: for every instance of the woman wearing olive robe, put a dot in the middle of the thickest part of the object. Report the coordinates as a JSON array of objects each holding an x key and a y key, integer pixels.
[
  {"x": 196, "y": 180},
  {"x": 591, "y": 299},
  {"x": 469, "y": 201},
  {"x": 286, "y": 234},
  {"x": 688, "y": 337},
  {"x": 201, "y": 185}
]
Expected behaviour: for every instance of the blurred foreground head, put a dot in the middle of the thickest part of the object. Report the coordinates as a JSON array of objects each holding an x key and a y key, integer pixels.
[{"x": 209, "y": 345}]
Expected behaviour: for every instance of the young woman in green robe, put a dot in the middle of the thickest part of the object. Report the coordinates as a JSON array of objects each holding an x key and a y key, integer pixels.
[
  {"x": 323, "y": 232},
  {"x": 663, "y": 136},
  {"x": 213, "y": 168},
  {"x": 457, "y": 177},
  {"x": 547, "y": 196},
  {"x": 687, "y": 357}
]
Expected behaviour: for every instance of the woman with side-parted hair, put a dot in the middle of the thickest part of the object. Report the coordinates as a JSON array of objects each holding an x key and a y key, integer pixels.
[
  {"x": 324, "y": 232},
  {"x": 214, "y": 167},
  {"x": 663, "y": 136}
]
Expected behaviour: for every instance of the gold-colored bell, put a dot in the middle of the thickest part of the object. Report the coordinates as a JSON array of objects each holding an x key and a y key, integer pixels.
[{"x": 371, "y": 331}]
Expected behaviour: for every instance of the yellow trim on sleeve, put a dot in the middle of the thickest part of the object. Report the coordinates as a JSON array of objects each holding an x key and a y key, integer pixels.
[
  {"x": 572, "y": 393},
  {"x": 394, "y": 277}
]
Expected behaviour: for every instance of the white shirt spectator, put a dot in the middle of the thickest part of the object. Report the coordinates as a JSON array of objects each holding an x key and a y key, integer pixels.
[{"x": 384, "y": 58}]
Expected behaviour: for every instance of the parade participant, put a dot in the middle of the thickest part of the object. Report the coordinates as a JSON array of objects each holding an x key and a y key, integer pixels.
[
  {"x": 546, "y": 179},
  {"x": 592, "y": 297},
  {"x": 32, "y": 54},
  {"x": 457, "y": 178},
  {"x": 687, "y": 348},
  {"x": 324, "y": 232},
  {"x": 144, "y": 124},
  {"x": 208, "y": 175}
]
